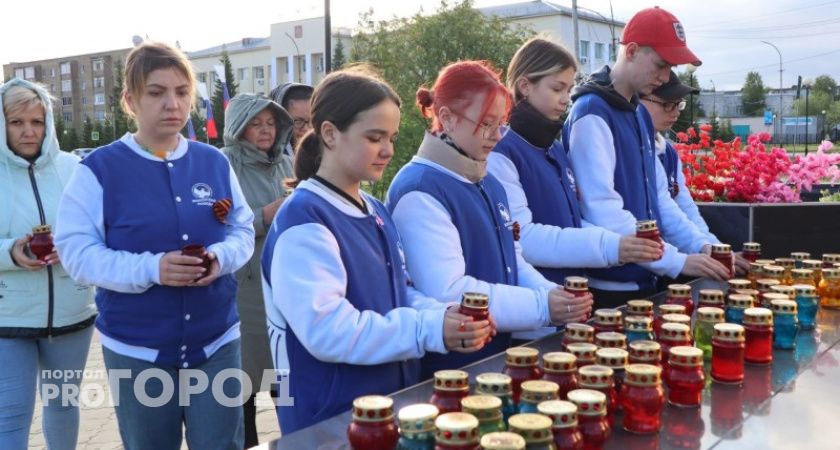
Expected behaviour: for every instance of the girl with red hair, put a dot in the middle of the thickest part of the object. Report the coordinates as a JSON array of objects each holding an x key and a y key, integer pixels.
[{"x": 454, "y": 217}]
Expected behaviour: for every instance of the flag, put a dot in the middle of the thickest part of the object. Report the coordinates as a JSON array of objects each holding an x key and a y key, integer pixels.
[
  {"x": 191, "y": 130},
  {"x": 220, "y": 73},
  {"x": 211, "y": 122}
]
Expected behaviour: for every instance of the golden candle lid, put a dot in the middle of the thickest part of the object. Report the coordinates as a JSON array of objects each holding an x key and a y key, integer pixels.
[
  {"x": 521, "y": 356},
  {"x": 667, "y": 308},
  {"x": 640, "y": 307},
  {"x": 674, "y": 332},
  {"x": 475, "y": 300},
  {"x": 765, "y": 262},
  {"x": 831, "y": 274},
  {"x": 764, "y": 284},
  {"x": 493, "y": 384},
  {"x": 579, "y": 332},
  {"x": 783, "y": 289},
  {"x": 774, "y": 270},
  {"x": 754, "y": 293},
  {"x": 535, "y": 428},
  {"x": 770, "y": 296},
  {"x": 756, "y": 268},
  {"x": 41, "y": 229},
  {"x": 739, "y": 283},
  {"x": 559, "y": 362},
  {"x": 731, "y": 332},
  {"x": 638, "y": 323},
  {"x": 752, "y": 247},
  {"x": 676, "y": 318},
  {"x": 614, "y": 358},
  {"x": 783, "y": 306},
  {"x": 710, "y": 314},
  {"x": 800, "y": 256},
  {"x": 583, "y": 351},
  {"x": 595, "y": 376},
  {"x": 805, "y": 290},
  {"x": 373, "y": 408},
  {"x": 800, "y": 274},
  {"x": 535, "y": 391},
  {"x": 646, "y": 225},
  {"x": 562, "y": 413},
  {"x": 611, "y": 339},
  {"x": 484, "y": 407},
  {"x": 576, "y": 283},
  {"x": 787, "y": 263},
  {"x": 831, "y": 258},
  {"x": 645, "y": 350},
  {"x": 721, "y": 248},
  {"x": 607, "y": 316},
  {"x": 679, "y": 290},
  {"x": 502, "y": 440},
  {"x": 758, "y": 316},
  {"x": 456, "y": 428},
  {"x": 813, "y": 264},
  {"x": 643, "y": 375},
  {"x": 589, "y": 402},
  {"x": 684, "y": 355},
  {"x": 418, "y": 418},
  {"x": 711, "y": 296},
  {"x": 740, "y": 301},
  {"x": 452, "y": 380}
]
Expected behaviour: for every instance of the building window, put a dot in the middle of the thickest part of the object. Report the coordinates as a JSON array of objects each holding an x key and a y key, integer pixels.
[
  {"x": 66, "y": 85},
  {"x": 98, "y": 82},
  {"x": 612, "y": 52},
  {"x": 29, "y": 73},
  {"x": 584, "y": 51},
  {"x": 52, "y": 88},
  {"x": 19, "y": 73},
  {"x": 84, "y": 100},
  {"x": 65, "y": 68},
  {"x": 68, "y": 116},
  {"x": 99, "y": 115},
  {"x": 52, "y": 71},
  {"x": 83, "y": 85},
  {"x": 98, "y": 65},
  {"x": 599, "y": 51},
  {"x": 82, "y": 68},
  {"x": 259, "y": 73},
  {"x": 298, "y": 31},
  {"x": 99, "y": 99},
  {"x": 242, "y": 74},
  {"x": 66, "y": 101},
  {"x": 202, "y": 77},
  {"x": 303, "y": 64}
]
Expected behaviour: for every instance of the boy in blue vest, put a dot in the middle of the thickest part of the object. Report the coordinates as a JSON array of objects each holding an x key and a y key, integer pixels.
[
  {"x": 610, "y": 139},
  {"x": 664, "y": 105}
]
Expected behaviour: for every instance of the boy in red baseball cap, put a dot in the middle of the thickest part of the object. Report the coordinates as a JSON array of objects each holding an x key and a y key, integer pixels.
[{"x": 610, "y": 139}]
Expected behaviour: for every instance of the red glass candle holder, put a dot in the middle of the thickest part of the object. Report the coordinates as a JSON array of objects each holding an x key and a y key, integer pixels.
[
  {"x": 592, "y": 417},
  {"x": 665, "y": 308},
  {"x": 728, "y": 353},
  {"x": 475, "y": 305},
  {"x": 751, "y": 251},
  {"x": 710, "y": 298},
  {"x": 577, "y": 286},
  {"x": 686, "y": 378},
  {"x": 521, "y": 364},
  {"x": 645, "y": 352},
  {"x": 642, "y": 399},
  {"x": 577, "y": 332},
  {"x": 680, "y": 294},
  {"x": 450, "y": 387},
  {"x": 615, "y": 359},
  {"x": 584, "y": 353},
  {"x": 607, "y": 319},
  {"x": 765, "y": 286},
  {"x": 722, "y": 253},
  {"x": 673, "y": 335},
  {"x": 456, "y": 431},
  {"x": 198, "y": 251},
  {"x": 640, "y": 308},
  {"x": 737, "y": 284},
  {"x": 564, "y": 426},
  {"x": 561, "y": 368},
  {"x": 611, "y": 339},
  {"x": 758, "y": 335},
  {"x": 648, "y": 229},
  {"x": 373, "y": 426},
  {"x": 601, "y": 379},
  {"x": 41, "y": 244}
]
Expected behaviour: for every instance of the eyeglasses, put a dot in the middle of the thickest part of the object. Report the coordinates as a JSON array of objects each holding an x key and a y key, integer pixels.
[
  {"x": 669, "y": 106},
  {"x": 488, "y": 130},
  {"x": 301, "y": 123}
]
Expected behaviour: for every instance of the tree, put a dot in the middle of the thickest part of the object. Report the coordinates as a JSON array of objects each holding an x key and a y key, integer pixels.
[
  {"x": 339, "y": 59},
  {"x": 59, "y": 132},
  {"x": 409, "y": 52},
  {"x": 121, "y": 122},
  {"x": 826, "y": 84},
  {"x": 753, "y": 95},
  {"x": 684, "y": 121},
  {"x": 71, "y": 142},
  {"x": 817, "y": 102},
  {"x": 218, "y": 95},
  {"x": 107, "y": 132},
  {"x": 87, "y": 128}
]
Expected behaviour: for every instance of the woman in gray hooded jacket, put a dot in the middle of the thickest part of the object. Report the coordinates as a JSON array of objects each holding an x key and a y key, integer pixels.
[{"x": 256, "y": 130}]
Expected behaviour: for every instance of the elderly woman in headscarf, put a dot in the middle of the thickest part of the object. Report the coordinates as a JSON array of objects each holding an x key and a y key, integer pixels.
[{"x": 256, "y": 130}]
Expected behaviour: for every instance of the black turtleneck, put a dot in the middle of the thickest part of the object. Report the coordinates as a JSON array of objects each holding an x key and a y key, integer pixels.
[{"x": 529, "y": 123}]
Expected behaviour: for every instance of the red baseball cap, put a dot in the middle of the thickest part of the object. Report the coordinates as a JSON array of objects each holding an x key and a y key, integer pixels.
[{"x": 662, "y": 31}]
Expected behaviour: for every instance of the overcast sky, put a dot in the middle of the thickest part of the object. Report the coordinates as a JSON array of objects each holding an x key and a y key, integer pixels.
[{"x": 725, "y": 34}]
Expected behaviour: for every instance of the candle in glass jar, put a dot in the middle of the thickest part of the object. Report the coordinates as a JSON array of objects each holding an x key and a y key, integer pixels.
[
  {"x": 584, "y": 353},
  {"x": 686, "y": 378},
  {"x": 710, "y": 297},
  {"x": 643, "y": 399},
  {"x": 787, "y": 264},
  {"x": 456, "y": 431},
  {"x": 417, "y": 427},
  {"x": 41, "y": 243},
  {"x": 830, "y": 259},
  {"x": 521, "y": 364},
  {"x": 640, "y": 308},
  {"x": 665, "y": 309},
  {"x": 487, "y": 409},
  {"x": 592, "y": 417},
  {"x": 502, "y": 441},
  {"x": 798, "y": 257},
  {"x": 577, "y": 286},
  {"x": 601, "y": 379},
  {"x": 608, "y": 319},
  {"x": 758, "y": 335},
  {"x": 615, "y": 359},
  {"x": 816, "y": 267},
  {"x": 755, "y": 272},
  {"x": 704, "y": 328},
  {"x": 535, "y": 429},
  {"x": 680, "y": 294},
  {"x": 785, "y": 324},
  {"x": 735, "y": 307},
  {"x": 803, "y": 276},
  {"x": 829, "y": 290},
  {"x": 676, "y": 318},
  {"x": 751, "y": 251},
  {"x": 475, "y": 305},
  {"x": 638, "y": 328},
  {"x": 372, "y": 426},
  {"x": 728, "y": 353},
  {"x": 736, "y": 284},
  {"x": 807, "y": 304},
  {"x": 611, "y": 339},
  {"x": 536, "y": 391},
  {"x": 450, "y": 387},
  {"x": 765, "y": 285},
  {"x": 499, "y": 386},
  {"x": 647, "y": 229},
  {"x": 563, "y": 415},
  {"x": 673, "y": 335},
  {"x": 560, "y": 368},
  {"x": 577, "y": 332},
  {"x": 722, "y": 253},
  {"x": 645, "y": 352},
  {"x": 774, "y": 272}
]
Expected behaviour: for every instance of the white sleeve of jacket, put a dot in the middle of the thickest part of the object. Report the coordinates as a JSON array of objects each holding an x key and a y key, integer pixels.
[
  {"x": 80, "y": 241},
  {"x": 675, "y": 227},
  {"x": 6, "y": 261},
  {"x": 592, "y": 153},
  {"x": 436, "y": 263},
  {"x": 687, "y": 205},
  {"x": 309, "y": 286},
  {"x": 238, "y": 246},
  {"x": 548, "y": 245}
]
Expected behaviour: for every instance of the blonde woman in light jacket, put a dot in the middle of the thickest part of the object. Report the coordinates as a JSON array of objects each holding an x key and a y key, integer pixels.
[{"x": 45, "y": 317}]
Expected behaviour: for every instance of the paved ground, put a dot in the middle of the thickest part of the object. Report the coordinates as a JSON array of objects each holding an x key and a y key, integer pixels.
[{"x": 98, "y": 428}]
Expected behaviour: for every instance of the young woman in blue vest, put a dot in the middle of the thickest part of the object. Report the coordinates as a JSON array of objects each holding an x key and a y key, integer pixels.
[
  {"x": 338, "y": 296},
  {"x": 533, "y": 167},
  {"x": 455, "y": 219},
  {"x": 168, "y": 326}
]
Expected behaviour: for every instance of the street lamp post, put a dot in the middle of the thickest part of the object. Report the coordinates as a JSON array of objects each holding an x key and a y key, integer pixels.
[
  {"x": 781, "y": 114},
  {"x": 297, "y": 55},
  {"x": 690, "y": 69},
  {"x": 807, "y": 86},
  {"x": 714, "y": 97}
]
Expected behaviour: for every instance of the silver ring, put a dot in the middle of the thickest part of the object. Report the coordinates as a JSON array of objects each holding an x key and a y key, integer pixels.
[
  {"x": 463, "y": 344},
  {"x": 569, "y": 308}
]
